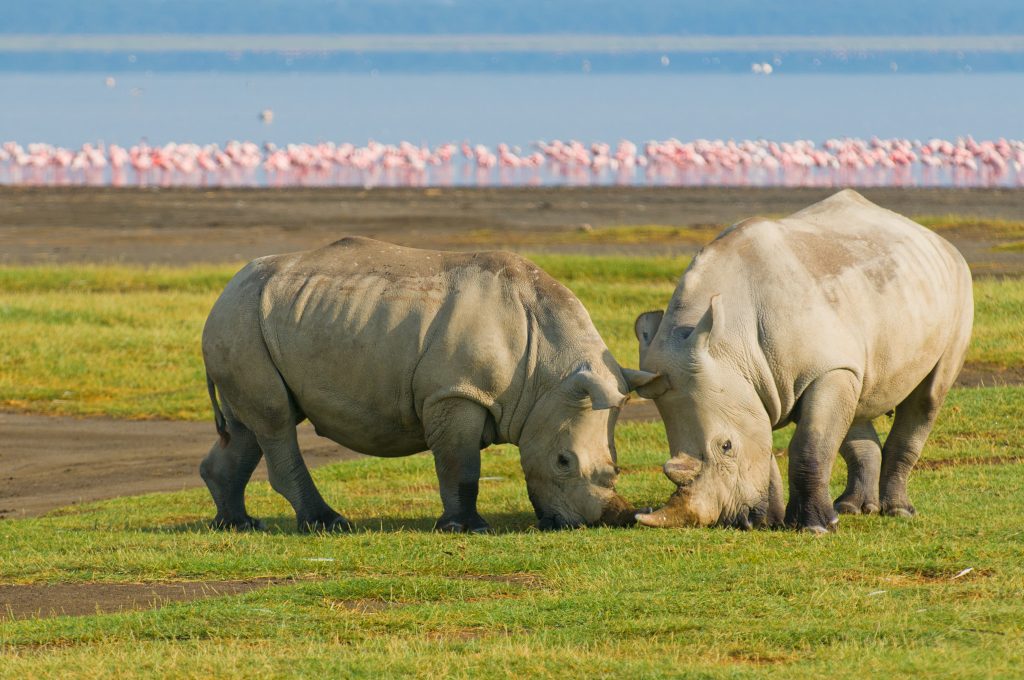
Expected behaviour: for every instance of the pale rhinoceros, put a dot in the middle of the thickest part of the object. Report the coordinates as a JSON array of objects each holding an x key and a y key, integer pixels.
[
  {"x": 390, "y": 351},
  {"x": 828, "y": 318}
]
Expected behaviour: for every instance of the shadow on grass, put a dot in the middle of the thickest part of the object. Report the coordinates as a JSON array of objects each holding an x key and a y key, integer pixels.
[{"x": 501, "y": 523}]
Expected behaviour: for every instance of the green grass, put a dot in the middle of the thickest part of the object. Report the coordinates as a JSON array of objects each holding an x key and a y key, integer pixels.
[
  {"x": 394, "y": 599},
  {"x": 877, "y": 599},
  {"x": 699, "y": 234},
  {"x": 619, "y": 235},
  {"x": 124, "y": 341},
  {"x": 1012, "y": 247},
  {"x": 985, "y": 226}
]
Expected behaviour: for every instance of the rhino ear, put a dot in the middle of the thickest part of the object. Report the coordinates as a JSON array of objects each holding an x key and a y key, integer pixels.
[
  {"x": 645, "y": 327},
  {"x": 706, "y": 333},
  {"x": 652, "y": 386},
  {"x": 637, "y": 379},
  {"x": 603, "y": 394}
]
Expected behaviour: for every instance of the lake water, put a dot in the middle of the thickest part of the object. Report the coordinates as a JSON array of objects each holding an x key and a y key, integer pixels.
[{"x": 69, "y": 109}]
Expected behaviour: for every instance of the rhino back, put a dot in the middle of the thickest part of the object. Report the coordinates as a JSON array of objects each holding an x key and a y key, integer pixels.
[
  {"x": 841, "y": 284},
  {"x": 364, "y": 332}
]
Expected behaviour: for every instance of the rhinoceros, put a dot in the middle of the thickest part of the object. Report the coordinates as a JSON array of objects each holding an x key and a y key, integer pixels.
[
  {"x": 391, "y": 351},
  {"x": 828, "y": 318}
]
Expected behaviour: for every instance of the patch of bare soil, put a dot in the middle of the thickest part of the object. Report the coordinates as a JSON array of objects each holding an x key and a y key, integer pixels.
[
  {"x": 639, "y": 410},
  {"x": 46, "y": 600},
  {"x": 364, "y": 605},
  {"x": 925, "y": 464},
  {"x": 979, "y": 374},
  {"x": 179, "y": 226},
  {"x": 758, "y": 658},
  {"x": 516, "y": 578},
  {"x": 47, "y": 462}
]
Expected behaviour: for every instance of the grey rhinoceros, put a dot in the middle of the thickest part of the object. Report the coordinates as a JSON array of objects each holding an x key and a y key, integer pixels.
[
  {"x": 827, "y": 318},
  {"x": 390, "y": 351}
]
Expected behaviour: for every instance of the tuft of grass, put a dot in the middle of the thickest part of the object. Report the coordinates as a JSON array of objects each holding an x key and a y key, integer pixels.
[
  {"x": 998, "y": 336},
  {"x": 1012, "y": 247},
  {"x": 574, "y": 270},
  {"x": 618, "y": 235},
  {"x": 94, "y": 278},
  {"x": 985, "y": 226}
]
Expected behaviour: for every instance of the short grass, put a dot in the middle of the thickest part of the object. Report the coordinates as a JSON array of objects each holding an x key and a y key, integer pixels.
[
  {"x": 880, "y": 597},
  {"x": 699, "y": 234},
  {"x": 1011, "y": 247},
  {"x": 124, "y": 341},
  {"x": 586, "y": 235},
  {"x": 983, "y": 226}
]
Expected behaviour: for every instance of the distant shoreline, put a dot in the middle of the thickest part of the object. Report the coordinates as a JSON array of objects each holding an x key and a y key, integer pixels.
[{"x": 461, "y": 44}]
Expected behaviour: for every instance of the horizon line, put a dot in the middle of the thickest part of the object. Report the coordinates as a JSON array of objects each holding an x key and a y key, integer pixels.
[{"x": 491, "y": 43}]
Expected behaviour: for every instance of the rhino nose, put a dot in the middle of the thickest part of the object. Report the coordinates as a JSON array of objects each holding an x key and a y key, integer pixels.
[{"x": 682, "y": 469}]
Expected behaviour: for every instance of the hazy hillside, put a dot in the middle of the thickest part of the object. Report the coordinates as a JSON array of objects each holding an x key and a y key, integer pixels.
[{"x": 688, "y": 17}]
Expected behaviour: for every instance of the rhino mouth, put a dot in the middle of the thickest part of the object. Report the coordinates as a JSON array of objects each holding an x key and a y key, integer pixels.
[
  {"x": 556, "y": 523},
  {"x": 617, "y": 513},
  {"x": 748, "y": 518}
]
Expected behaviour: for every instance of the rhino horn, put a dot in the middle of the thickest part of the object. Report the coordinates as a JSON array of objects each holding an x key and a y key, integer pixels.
[{"x": 672, "y": 514}]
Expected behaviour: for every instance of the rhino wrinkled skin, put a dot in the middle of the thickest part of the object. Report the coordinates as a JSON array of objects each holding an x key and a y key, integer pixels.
[
  {"x": 391, "y": 351},
  {"x": 828, "y": 318}
]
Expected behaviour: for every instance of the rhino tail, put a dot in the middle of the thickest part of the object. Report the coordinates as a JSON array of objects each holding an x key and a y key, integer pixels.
[{"x": 219, "y": 420}]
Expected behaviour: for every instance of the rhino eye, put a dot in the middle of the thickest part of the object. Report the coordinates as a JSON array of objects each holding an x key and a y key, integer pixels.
[
  {"x": 563, "y": 461},
  {"x": 727, "y": 446}
]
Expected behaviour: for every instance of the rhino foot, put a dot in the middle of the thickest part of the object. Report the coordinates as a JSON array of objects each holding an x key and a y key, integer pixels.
[
  {"x": 473, "y": 524},
  {"x": 817, "y": 530},
  {"x": 856, "y": 504},
  {"x": 245, "y": 523},
  {"x": 815, "y": 516},
  {"x": 331, "y": 524},
  {"x": 905, "y": 510}
]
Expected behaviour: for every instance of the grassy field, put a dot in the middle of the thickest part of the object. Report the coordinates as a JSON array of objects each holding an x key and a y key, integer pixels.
[
  {"x": 124, "y": 341},
  {"x": 880, "y": 597}
]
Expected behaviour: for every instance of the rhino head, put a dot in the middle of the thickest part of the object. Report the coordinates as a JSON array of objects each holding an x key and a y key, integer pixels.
[
  {"x": 719, "y": 432},
  {"x": 568, "y": 449}
]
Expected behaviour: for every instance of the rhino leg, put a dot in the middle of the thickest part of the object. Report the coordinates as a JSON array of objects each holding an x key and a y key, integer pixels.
[
  {"x": 914, "y": 419},
  {"x": 455, "y": 433},
  {"x": 226, "y": 471},
  {"x": 826, "y": 413},
  {"x": 290, "y": 477},
  {"x": 863, "y": 455}
]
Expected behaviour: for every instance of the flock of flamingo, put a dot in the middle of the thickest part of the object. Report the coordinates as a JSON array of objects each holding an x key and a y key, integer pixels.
[{"x": 847, "y": 161}]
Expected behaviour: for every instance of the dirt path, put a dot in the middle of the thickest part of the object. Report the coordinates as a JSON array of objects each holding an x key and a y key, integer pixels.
[
  {"x": 50, "y": 462},
  {"x": 180, "y": 226},
  {"x": 44, "y": 600}
]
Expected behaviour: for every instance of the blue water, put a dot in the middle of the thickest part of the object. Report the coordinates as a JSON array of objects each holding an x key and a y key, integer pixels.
[{"x": 69, "y": 109}]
